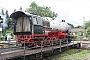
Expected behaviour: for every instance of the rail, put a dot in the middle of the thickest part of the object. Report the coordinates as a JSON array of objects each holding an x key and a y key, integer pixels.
[
  {"x": 2, "y": 56},
  {"x": 41, "y": 49}
]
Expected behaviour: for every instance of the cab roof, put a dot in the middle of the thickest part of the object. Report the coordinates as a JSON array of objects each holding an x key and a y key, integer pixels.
[{"x": 21, "y": 13}]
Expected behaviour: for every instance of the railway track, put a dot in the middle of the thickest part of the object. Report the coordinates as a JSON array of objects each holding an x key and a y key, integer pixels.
[
  {"x": 19, "y": 51},
  {"x": 85, "y": 44},
  {"x": 9, "y": 49}
]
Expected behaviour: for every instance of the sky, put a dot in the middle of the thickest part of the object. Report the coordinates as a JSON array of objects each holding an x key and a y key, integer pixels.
[{"x": 72, "y": 11}]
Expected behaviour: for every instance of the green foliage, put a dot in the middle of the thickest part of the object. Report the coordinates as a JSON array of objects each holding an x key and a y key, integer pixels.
[
  {"x": 7, "y": 14},
  {"x": 68, "y": 51},
  {"x": 87, "y": 28},
  {"x": 78, "y": 27},
  {"x": 2, "y": 11},
  {"x": 10, "y": 31},
  {"x": 77, "y": 55},
  {"x": 5, "y": 32},
  {"x": 1, "y": 37},
  {"x": 9, "y": 20},
  {"x": 20, "y": 8},
  {"x": 88, "y": 32},
  {"x": 42, "y": 11},
  {"x": 9, "y": 28},
  {"x": 75, "y": 37},
  {"x": 10, "y": 23},
  {"x": 14, "y": 10},
  {"x": 87, "y": 24},
  {"x": 72, "y": 26}
]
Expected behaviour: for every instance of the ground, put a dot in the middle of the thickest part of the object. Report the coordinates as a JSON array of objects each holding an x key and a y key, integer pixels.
[
  {"x": 76, "y": 52},
  {"x": 85, "y": 46}
]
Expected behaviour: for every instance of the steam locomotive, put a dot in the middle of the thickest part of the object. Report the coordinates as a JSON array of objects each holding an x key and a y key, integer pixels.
[{"x": 31, "y": 29}]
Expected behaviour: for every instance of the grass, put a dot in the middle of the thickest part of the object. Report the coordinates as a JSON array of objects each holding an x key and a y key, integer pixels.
[
  {"x": 68, "y": 51},
  {"x": 77, "y": 55}
]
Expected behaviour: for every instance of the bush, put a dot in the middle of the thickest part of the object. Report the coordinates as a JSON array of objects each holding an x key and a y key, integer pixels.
[
  {"x": 75, "y": 37},
  {"x": 9, "y": 31},
  {"x": 2, "y": 37}
]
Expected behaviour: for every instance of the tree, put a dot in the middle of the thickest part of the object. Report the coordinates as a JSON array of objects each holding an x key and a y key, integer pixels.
[
  {"x": 3, "y": 25},
  {"x": 72, "y": 26},
  {"x": 10, "y": 23},
  {"x": 87, "y": 24},
  {"x": 78, "y": 27},
  {"x": 14, "y": 10},
  {"x": 88, "y": 32},
  {"x": 7, "y": 14},
  {"x": 42, "y": 11},
  {"x": 20, "y": 8},
  {"x": 32, "y": 8},
  {"x": 87, "y": 28},
  {"x": 9, "y": 20},
  {"x": 2, "y": 11}
]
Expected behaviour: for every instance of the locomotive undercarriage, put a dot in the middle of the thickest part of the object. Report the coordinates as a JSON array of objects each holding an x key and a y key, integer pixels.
[{"x": 38, "y": 40}]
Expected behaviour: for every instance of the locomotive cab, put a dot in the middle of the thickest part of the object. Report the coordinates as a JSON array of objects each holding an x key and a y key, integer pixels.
[
  {"x": 28, "y": 27},
  {"x": 26, "y": 23}
]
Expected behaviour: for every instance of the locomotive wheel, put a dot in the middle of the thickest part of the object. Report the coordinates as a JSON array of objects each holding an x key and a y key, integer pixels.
[
  {"x": 31, "y": 44},
  {"x": 37, "y": 44},
  {"x": 46, "y": 42},
  {"x": 18, "y": 44}
]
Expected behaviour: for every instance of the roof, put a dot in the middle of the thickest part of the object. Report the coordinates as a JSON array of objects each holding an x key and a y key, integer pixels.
[
  {"x": 19, "y": 13},
  {"x": 74, "y": 30}
]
